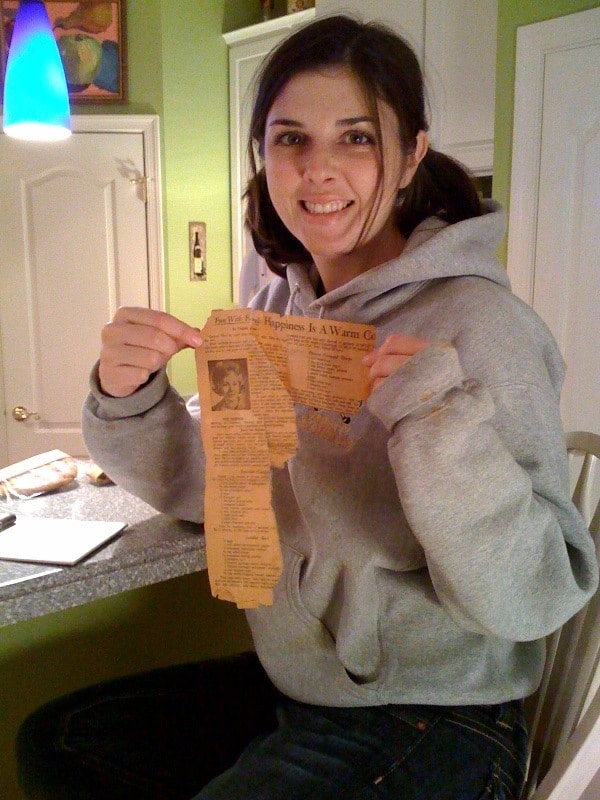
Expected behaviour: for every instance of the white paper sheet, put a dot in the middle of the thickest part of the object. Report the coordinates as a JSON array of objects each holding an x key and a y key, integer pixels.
[{"x": 41, "y": 540}]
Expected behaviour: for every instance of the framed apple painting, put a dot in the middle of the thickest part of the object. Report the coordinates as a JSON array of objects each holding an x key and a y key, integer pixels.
[{"x": 91, "y": 41}]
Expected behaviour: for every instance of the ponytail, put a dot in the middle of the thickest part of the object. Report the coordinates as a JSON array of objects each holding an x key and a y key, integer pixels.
[{"x": 441, "y": 187}]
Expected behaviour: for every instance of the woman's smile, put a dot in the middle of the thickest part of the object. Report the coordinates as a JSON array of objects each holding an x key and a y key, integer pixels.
[{"x": 330, "y": 207}]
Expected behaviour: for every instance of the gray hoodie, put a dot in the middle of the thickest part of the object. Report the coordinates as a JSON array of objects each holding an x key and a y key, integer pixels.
[{"x": 429, "y": 542}]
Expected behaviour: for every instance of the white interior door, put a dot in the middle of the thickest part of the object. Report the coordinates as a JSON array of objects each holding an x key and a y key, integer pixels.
[
  {"x": 77, "y": 241},
  {"x": 554, "y": 226},
  {"x": 554, "y": 230}
]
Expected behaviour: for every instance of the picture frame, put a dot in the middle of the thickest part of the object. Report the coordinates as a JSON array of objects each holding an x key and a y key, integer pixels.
[{"x": 91, "y": 36}]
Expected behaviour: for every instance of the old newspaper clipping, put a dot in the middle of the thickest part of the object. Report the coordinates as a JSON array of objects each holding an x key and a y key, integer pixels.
[{"x": 252, "y": 367}]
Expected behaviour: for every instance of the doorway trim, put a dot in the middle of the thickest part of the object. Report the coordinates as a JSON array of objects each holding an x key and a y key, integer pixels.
[{"x": 534, "y": 43}]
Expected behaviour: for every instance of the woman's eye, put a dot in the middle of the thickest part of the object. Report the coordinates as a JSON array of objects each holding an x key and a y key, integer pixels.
[
  {"x": 289, "y": 138},
  {"x": 359, "y": 137}
]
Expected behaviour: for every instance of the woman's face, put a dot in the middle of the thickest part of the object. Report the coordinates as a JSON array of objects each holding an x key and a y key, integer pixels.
[
  {"x": 231, "y": 388},
  {"x": 323, "y": 168}
]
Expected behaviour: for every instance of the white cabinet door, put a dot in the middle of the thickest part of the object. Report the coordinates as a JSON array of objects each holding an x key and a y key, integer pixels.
[
  {"x": 77, "y": 241},
  {"x": 460, "y": 70}
]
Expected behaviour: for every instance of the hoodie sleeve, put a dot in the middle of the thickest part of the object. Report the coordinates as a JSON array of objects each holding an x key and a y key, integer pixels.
[
  {"x": 149, "y": 443},
  {"x": 482, "y": 475}
]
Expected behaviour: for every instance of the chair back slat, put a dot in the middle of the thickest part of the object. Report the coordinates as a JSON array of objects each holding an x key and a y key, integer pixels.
[{"x": 588, "y": 445}]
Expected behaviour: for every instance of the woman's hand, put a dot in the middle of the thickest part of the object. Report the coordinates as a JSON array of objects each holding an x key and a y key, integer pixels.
[
  {"x": 138, "y": 342},
  {"x": 393, "y": 353}
]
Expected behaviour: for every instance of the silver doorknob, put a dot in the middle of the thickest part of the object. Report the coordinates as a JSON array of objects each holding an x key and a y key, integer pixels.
[{"x": 20, "y": 413}]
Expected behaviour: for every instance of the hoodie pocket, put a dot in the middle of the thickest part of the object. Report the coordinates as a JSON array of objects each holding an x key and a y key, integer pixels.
[{"x": 296, "y": 648}]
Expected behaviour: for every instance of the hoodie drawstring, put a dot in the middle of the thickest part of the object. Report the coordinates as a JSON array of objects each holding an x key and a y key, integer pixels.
[{"x": 290, "y": 305}]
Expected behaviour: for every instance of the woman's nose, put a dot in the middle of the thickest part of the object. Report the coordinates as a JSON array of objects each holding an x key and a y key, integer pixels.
[{"x": 319, "y": 164}]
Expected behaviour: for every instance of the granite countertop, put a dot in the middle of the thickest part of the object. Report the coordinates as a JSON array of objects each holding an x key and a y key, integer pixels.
[{"x": 153, "y": 547}]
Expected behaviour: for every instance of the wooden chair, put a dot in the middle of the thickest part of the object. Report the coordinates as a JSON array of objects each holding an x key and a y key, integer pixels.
[{"x": 564, "y": 747}]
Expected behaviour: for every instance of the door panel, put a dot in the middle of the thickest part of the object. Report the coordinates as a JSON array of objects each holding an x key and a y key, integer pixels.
[
  {"x": 554, "y": 227},
  {"x": 73, "y": 226},
  {"x": 567, "y": 264}
]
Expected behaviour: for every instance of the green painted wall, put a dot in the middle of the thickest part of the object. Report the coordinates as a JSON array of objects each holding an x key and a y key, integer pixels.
[
  {"x": 511, "y": 15},
  {"x": 196, "y": 141}
]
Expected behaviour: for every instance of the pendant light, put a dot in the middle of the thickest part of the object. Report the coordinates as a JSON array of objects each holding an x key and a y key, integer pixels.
[{"x": 36, "y": 99}]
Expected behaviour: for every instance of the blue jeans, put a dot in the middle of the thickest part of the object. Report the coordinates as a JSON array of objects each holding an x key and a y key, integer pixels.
[{"x": 221, "y": 725}]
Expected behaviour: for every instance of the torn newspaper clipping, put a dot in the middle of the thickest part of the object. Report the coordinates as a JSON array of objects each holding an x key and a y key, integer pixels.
[{"x": 252, "y": 367}]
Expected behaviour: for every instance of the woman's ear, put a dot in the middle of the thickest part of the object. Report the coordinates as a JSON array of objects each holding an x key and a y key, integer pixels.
[{"x": 414, "y": 159}]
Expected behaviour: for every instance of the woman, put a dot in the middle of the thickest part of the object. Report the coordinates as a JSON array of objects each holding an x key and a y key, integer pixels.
[
  {"x": 228, "y": 381},
  {"x": 424, "y": 559}
]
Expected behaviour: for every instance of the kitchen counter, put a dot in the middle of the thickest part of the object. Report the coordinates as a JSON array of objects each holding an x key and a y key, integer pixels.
[{"x": 153, "y": 547}]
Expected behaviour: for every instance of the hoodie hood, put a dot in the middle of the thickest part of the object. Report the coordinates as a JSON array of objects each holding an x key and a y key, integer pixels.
[{"x": 435, "y": 250}]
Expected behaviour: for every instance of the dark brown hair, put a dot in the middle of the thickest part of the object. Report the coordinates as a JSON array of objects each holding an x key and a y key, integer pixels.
[{"x": 386, "y": 68}]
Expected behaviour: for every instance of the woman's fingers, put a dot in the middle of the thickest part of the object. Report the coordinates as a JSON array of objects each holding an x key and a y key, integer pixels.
[
  {"x": 138, "y": 342},
  {"x": 159, "y": 322},
  {"x": 391, "y": 355}
]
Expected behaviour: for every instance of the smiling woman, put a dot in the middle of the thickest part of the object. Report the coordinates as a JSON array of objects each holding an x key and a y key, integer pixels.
[
  {"x": 374, "y": 114},
  {"x": 424, "y": 551}
]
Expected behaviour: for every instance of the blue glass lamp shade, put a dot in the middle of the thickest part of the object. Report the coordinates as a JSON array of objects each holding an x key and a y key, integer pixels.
[{"x": 36, "y": 99}]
